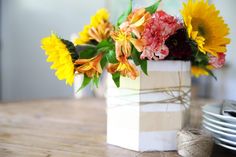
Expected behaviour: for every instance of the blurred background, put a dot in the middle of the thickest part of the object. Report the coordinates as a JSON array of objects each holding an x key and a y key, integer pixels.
[{"x": 24, "y": 72}]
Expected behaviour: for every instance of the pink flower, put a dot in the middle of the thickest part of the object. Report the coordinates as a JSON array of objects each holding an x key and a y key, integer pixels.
[
  {"x": 217, "y": 61},
  {"x": 156, "y": 31}
]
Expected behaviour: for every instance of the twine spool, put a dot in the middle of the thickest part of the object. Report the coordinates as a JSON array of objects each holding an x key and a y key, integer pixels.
[{"x": 194, "y": 143}]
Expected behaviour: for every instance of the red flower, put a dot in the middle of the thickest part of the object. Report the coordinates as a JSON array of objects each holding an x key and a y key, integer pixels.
[
  {"x": 217, "y": 61},
  {"x": 155, "y": 33},
  {"x": 179, "y": 47}
]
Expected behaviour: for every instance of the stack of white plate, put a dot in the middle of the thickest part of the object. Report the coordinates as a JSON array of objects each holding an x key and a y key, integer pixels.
[{"x": 223, "y": 128}]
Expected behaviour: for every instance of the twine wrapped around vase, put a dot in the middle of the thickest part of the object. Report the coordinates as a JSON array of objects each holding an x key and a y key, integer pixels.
[
  {"x": 194, "y": 143},
  {"x": 179, "y": 94}
]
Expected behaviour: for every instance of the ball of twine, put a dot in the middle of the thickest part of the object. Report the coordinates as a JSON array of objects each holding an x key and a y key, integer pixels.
[{"x": 194, "y": 143}]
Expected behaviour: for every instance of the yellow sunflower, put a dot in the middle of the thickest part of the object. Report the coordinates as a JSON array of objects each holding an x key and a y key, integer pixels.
[
  {"x": 83, "y": 36},
  {"x": 98, "y": 29},
  {"x": 198, "y": 71},
  {"x": 101, "y": 14},
  {"x": 205, "y": 26},
  {"x": 59, "y": 55}
]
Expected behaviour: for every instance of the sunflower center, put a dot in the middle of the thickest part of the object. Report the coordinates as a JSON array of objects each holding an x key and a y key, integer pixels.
[
  {"x": 201, "y": 30},
  {"x": 205, "y": 26},
  {"x": 200, "y": 26}
]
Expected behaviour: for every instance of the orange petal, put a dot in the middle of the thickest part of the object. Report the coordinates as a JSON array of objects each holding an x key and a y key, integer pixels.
[
  {"x": 83, "y": 68},
  {"x": 139, "y": 22},
  {"x": 82, "y": 61},
  {"x": 112, "y": 68},
  {"x": 136, "y": 15},
  {"x": 118, "y": 50},
  {"x": 90, "y": 73},
  {"x": 126, "y": 49},
  {"x": 137, "y": 44}
]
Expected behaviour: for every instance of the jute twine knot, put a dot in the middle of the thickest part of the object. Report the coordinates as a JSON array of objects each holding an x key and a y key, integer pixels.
[{"x": 194, "y": 143}]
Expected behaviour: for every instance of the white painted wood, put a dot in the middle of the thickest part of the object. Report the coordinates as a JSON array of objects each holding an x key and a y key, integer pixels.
[{"x": 135, "y": 118}]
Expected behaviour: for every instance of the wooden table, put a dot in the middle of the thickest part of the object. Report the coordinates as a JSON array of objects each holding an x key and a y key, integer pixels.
[{"x": 66, "y": 128}]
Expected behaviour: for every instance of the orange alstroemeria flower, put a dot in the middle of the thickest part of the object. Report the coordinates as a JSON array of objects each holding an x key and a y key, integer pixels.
[
  {"x": 123, "y": 40},
  {"x": 125, "y": 68},
  {"x": 91, "y": 67},
  {"x": 123, "y": 37},
  {"x": 135, "y": 21},
  {"x": 101, "y": 32}
]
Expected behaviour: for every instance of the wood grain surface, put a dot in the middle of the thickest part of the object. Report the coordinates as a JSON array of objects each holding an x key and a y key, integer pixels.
[{"x": 67, "y": 128}]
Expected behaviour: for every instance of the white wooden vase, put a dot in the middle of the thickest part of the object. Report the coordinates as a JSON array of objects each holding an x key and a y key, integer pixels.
[{"x": 145, "y": 114}]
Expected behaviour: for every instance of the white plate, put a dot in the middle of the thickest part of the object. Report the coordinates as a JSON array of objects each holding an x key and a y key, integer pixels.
[
  {"x": 218, "y": 121},
  {"x": 224, "y": 135},
  {"x": 217, "y": 127},
  {"x": 226, "y": 141},
  {"x": 214, "y": 110},
  {"x": 226, "y": 146}
]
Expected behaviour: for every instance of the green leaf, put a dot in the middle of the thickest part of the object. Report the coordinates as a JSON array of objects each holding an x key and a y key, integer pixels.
[
  {"x": 144, "y": 66},
  {"x": 136, "y": 56},
  {"x": 152, "y": 9},
  {"x": 211, "y": 74},
  {"x": 200, "y": 59},
  {"x": 96, "y": 81},
  {"x": 116, "y": 79},
  {"x": 137, "y": 61},
  {"x": 123, "y": 16},
  {"x": 85, "y": 82},
  {"x": 103, "y": 62},
  {"x": 105, "y": 46},
  {"x": 111, "y": 57},
  {"x": 88, "y": 53},
  {"x": 103, "y": 43}
]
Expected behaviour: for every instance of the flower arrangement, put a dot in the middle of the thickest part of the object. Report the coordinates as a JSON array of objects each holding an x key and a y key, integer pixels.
[{"x": 138, "y": 36}]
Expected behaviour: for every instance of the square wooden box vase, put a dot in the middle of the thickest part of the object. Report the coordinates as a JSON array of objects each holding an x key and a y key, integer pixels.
[{"x": 145, "y": 114}]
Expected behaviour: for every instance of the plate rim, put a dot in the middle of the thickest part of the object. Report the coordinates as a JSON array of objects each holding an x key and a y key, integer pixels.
[
  {"x": 219, "y": 122},
  {"x": 226, "y": 141},
  {"x": 231, "y": 131},
  {"x": 226, "y": 146},
  {"x": 219, "y": 132},
  {"x": 228, "y": 118}
]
